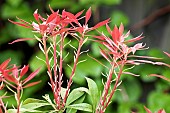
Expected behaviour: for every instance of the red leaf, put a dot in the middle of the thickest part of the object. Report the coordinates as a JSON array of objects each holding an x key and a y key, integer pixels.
[
  {"x": 24, "y": 70},
  {"x": 115, "y": 34},
  {"x": 5, "y": 64},
  {"x": 108, "y": 29},
  {"x": 20, "y": 40},
  {"x": 32, "y": 75},
  {"x": 101, "y": 24},
  {"x": 20, "y": 24},
  {"x": 52, "y": 17},
  {"x": 121, "y": 29},
  {"x": 135, "y": 39},
  {"x": 79, "y": 13},
  {"x": 36, "y": 15},
  {"x": 32, "y": 84},
  {"x": 51, "y": 9},
  {"x": 43, "y": 28},
  {"x": 161, "y": 111},
  {"x": 147, "y": 110},
  {"x": 88, "y": 15},
  {"x": 160, "y": 76}
]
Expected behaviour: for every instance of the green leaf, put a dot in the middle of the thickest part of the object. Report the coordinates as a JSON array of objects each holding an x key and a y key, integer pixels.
[
  {"x": 81, "y": 106},
  {"x": 85, "y": 69},
  {"x": 119, "y": 17},
  {"x": 159, "y": 100},
  {"x": 93, "y": 92},
  {"x": 35, "y": 62},
  {"x": 14, "y": 3},
  {"x": 32, "y": 104},
  {"x": 75, "y": 94},
  {"x": 80, "y": 100}
]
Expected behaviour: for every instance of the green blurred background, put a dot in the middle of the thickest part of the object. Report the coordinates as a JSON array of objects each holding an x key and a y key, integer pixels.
[{"x": 150, "y": 17}]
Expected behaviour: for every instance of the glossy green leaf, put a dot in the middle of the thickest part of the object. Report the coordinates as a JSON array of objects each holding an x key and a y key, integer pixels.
[
  {"x": 32, "y": 104},
  {"x": 93, "y": 92},
  {"x": 80, "y": 100},
  {"x": 75, "y": 94},
  {"x": 81, "y": 106}
]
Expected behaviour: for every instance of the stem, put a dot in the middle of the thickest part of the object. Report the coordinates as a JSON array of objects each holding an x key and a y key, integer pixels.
[
  {"x": 3, "y": 106},
  {"x": 115, "y": 86},
  {"x": 18, "y": 98},
  {"x": 49, "y": 68},
  {"x": 107, "y": 86},
  {"x": 74, "y": 69}
]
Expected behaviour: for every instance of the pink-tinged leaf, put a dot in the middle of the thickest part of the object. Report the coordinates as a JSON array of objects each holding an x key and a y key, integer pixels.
[
  {"x": 99, "y": 37},
  {"x": 79, "y": 13},
  {"x": 121, "y": 29},
  {"x": 129, "y": 73},
  {"x": 43, "y": 28},
  {"x": 27, "y": 23},
  {"x": 147, "y": 110},
  {"x": 51, "y": 9},
  {"x": 101, "y": 24},
  {"x": 167, "y": 54},
  {"x": 9, "y": 78},
  {"x": 31, "y": 76},
  {"x": 24, "y": 70},
  {"x": 15, "y": 72},
  {"x": 160, "y": 76},
  {"x": 115, "y": 35},
  {"x": 20, "y": 40},
  {"x": 136, "y": 47},
  {"x": 61, "y": 31},
  {"x": 161, "y": 111},
  {"x": 88, "y": 15},
  {"x": 32, "y": 84},
  {"x": 5, "y": 64},
  {"x": 36, "y": 15},
  {"x": 147, "y": 57},
  {"x": 134, "y": 39},
  {"x": 108, "y": 29},
  {"x": 52, "y": 17},
  {"x": 102, "y": 52},
  {"x": 20, "y": 24}
]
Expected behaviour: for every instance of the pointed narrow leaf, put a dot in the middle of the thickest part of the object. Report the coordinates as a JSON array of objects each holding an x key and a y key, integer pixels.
[
  {"x": 52, "y": 17},
  {"x": 32, "y": 84},
  {"x": 5, "y": 63},
  {"x": 101, "y": 24},
  {"x": 147, "y": 110},
  {"x": 36, "y": 15},
  {"x": 115, "y": 34},
  {"x": 81, "y": 106},
  {"x": 32, "y": 75},
  {"x": 24, "y": 70},
  {"x": 79, "y": 13},
  {"x": 88, "y": 15},
  {"x": 167, "y": 54},
  {"x": 20, "y": 40},
  {"x": 20, "y": 24}
]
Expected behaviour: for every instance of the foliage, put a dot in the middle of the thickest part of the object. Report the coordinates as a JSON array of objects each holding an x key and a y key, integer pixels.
[{"x": 75, "y": 63}]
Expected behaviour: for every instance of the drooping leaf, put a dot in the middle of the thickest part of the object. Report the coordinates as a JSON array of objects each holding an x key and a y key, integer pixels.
[{"x": 81, "y": 106}]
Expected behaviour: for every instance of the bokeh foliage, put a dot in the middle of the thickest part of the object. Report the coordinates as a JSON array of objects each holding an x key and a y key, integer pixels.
[{"x": 136, "y": 91}]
